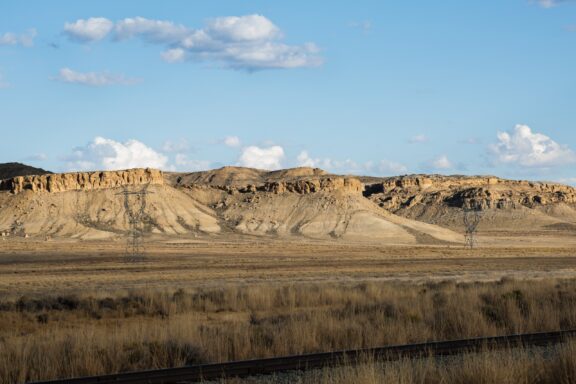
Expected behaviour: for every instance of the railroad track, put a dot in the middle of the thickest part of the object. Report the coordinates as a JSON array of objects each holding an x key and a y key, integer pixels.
[{"x": 208, "y": 372}]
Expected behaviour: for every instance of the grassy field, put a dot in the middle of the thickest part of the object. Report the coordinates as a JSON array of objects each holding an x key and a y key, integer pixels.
[{"x": 54, "y": 336}]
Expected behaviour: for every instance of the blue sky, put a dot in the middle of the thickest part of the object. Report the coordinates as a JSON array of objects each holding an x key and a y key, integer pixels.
[{"x": 369, "y": 87}]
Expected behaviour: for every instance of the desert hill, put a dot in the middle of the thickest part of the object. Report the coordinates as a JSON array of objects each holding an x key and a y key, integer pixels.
[
  {"x": 239, "y": 176},
  {"x": 10, "y": 170},
  {"x": 507, "y": 205},
  {"x": 302, "y": 203}
]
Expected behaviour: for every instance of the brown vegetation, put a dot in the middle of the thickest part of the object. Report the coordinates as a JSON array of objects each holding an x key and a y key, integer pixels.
[
  {"x": 528, "y": 366},
  {"x": 64, "y": 336}
]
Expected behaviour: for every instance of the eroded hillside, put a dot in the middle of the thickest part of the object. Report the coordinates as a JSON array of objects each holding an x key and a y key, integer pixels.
[
  {"x": 302, "y": 203},
  {"x": 507, "y": 205}
]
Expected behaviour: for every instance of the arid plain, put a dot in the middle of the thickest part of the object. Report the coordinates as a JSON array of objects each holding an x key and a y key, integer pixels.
[{"x": 239, "y": 263}]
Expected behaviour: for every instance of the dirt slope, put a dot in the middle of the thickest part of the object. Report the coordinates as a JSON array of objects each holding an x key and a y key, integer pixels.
[
  {"x": 304, "y": 202},
  {"x": 508, "y": 206},
  {"x": 295, "y": 203}
]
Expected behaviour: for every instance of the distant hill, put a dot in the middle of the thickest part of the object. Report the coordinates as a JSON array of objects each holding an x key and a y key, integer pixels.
[
  {"x": 298, "y": 203},
  {"x": 9, "y": 170}
]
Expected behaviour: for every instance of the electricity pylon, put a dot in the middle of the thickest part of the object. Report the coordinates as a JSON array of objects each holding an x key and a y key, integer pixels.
[
  {"x": 472, "y": 216},
  {"x": 135, "y": 214}
]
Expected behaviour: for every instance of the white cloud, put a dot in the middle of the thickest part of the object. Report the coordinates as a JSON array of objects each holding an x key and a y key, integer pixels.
[
  {"x": 250, "y": 42},
  {"x": 440, "y": 163},
  {"x": 108, "y": 154},
  {"x": 152, "y": 31},
  {"x": 262, "y": 158},
  {"x": 247, "y": 42},
  {"x": 173, "y": 55},
  {"x": 25, "y": 39},
  {"x": 418, "y": 139},
  {"x": 384, "y": 167},
  {"x": 243, "y": 28},
  {"x": 304, "y": 160},
  {"x": 523, "y": 147},
  {"x": 232, "y": 141},
  {"x": 87, "y": 30},
  {"x": 95, "y": 79}
]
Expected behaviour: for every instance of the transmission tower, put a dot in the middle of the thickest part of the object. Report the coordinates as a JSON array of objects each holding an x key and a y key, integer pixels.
[
  {"x": 472, "y": 216},
  {"x": 135, "y": 208}
]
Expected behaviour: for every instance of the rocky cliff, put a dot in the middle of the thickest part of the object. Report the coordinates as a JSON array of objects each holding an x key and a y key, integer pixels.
[
  {"x": 306, "y": 186},
  {"x": 62, "y": 182},
  {"x": 398, "y": 193}
]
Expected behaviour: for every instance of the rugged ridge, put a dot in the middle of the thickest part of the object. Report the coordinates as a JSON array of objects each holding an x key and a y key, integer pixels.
[
  {"x": 396, "y": 193},
  {"x": 63, "y": 182},
  {"x": 328, "y": 184},
  {"x": 293, "y": 203}
]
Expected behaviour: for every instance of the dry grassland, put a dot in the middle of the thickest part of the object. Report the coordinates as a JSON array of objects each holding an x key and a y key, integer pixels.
[
  {"x": 57, "y": 267},
  {"x": 530, "y": 366},
  {"x": 93, "y": 333}
]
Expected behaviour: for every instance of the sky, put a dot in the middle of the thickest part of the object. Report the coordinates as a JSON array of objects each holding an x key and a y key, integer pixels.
[{"x": 366, "y": 87}]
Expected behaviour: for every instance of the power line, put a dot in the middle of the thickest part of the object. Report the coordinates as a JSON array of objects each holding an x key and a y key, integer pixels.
[
  {"x": 135, "y": 210},
  {"x": 472, "y": 216}
]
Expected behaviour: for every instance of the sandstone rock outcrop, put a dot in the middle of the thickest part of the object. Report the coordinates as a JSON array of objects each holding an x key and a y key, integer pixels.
[
  {"x": 396, "y": 193},
  {"x": 307, "y": 186},
  {"x": 82, "y": 181},
  {"x": 301, "y": 186}
]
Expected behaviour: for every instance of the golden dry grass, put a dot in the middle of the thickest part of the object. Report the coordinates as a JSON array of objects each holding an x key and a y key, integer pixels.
[
  {"x": 43, "y": 337},
  {"x": 519, "y": 366}
]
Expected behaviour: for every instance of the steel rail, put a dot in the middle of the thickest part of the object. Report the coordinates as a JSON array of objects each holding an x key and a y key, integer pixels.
[{"x": 207, "y": 372}]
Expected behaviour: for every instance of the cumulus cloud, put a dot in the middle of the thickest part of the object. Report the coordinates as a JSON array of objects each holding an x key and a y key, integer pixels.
[
  {"x": 25, "y": 39},
  {"x": 250, "y": 42},
  {"x": 94, "y": 79},
  {"x": 151, "y": 31},
  {"x": 87, "y": 30},
  {"x": 107, "y": 154},
  {"x": 418, "y": 139},
  {"x": 523, "y": 147},
  {"x": 304, "y": 160},
  {"x": 173, "y": 55},
  {"x": 384, "y": 167},
  {"x": 262, "y": 158},
  {"x": 442, "y": 162},
  {"x": 232, "y": 141}
]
